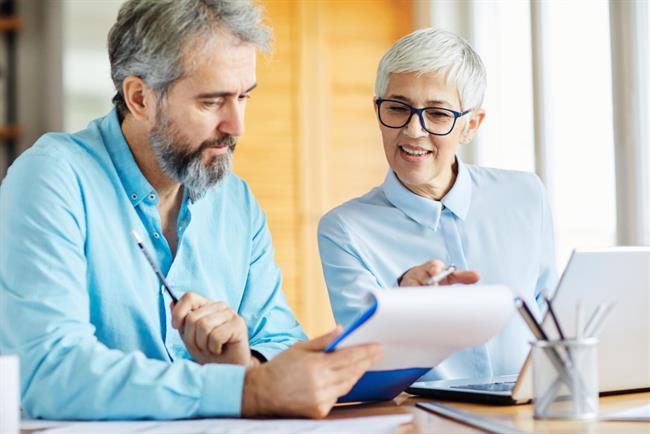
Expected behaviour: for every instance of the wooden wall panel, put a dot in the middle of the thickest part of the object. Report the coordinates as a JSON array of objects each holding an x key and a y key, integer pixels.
[
  {"x": 358, "y": 35},
  {"x": 266, "y": 157},
  {"x": 311, "y": 139}
]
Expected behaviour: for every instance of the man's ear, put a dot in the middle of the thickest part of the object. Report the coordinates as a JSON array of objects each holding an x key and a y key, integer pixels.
[
  {"x": 139, "y": 98},
  {"x": 474, "y": 122}
]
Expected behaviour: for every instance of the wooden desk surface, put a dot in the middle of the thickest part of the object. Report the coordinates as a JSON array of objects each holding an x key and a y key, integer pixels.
[{"x": 519, "y": 417}]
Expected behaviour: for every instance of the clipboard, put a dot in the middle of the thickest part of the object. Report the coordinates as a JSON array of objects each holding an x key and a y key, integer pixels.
[{"x": 396, "y": 317}]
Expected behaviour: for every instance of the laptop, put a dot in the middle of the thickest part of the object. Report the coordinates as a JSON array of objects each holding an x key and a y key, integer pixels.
[{"x": 618, "y": 274}]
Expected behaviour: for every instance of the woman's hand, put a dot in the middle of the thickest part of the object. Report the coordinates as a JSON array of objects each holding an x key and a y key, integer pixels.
[{"x": 420, "y": 275}]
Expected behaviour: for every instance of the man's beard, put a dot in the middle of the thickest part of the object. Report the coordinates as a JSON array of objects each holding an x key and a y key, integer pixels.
[{"x": 184, "y": 165}]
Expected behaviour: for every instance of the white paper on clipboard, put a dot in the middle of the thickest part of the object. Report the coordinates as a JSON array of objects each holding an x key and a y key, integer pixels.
[{"x": 421, "y": 326}]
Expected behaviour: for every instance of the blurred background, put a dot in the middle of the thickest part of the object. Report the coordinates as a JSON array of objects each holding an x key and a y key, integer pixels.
[{"x": 567, "y": 98}]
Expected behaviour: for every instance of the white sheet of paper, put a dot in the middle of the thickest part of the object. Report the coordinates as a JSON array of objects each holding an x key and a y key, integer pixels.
[
  {"x": 41, "y": 424},
  {"x": 638, "y": 414},
  {"x": 363, "y": 425},
  {"x": 420, "y": 327}
]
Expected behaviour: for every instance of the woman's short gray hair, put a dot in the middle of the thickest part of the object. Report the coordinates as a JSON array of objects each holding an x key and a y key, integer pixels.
[
  {"x": 428, "y": 50},
  {"x": 149, "y": 38}
]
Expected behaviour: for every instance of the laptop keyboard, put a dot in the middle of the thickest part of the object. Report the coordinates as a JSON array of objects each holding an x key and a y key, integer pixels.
[{"x": 489, "y": 387}]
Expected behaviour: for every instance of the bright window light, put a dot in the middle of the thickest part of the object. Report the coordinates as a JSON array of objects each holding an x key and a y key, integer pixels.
[
  {"x": 580, "y": 101},
  {"x": 578, "y": 85}
]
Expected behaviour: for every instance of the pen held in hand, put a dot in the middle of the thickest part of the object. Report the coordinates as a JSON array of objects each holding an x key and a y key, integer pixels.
[
  {"x": 435, "y": 280},
  {"x": 151, "y": 262}
]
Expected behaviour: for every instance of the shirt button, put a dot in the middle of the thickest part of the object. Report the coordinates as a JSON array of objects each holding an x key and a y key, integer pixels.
[
  {"x": 156, "y": 235},
  {"x": 134, "y": 196},
  {"x": 152, "y": 196}
]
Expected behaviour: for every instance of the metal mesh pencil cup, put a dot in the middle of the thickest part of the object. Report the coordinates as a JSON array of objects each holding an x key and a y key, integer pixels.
[{"x": 565, "y": 379}]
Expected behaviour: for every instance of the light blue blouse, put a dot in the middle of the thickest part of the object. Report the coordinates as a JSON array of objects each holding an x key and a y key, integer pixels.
[{"x": 493, "y": 221}]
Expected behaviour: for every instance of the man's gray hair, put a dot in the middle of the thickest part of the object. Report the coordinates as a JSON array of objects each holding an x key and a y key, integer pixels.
[
  {"x": 150, "y": 37},
  {"x": 428, "y": 50}
]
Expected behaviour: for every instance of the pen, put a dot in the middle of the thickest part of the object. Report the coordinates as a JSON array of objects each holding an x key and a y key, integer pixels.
[
  {"x": 530, "y": 320},
  {"x": 434, "y": 280},
  {"x": 467, "y": 418},
  {"x": 594, "y": 317},
  {"x": 551, "y": 311},
  {"x": 594, "y": 326},
  {"x": 579, "y": 319},
  {"x": 559, "y": 361},
  {"x": 553, "y": 316},
  {"x": 153, "y": 265}
]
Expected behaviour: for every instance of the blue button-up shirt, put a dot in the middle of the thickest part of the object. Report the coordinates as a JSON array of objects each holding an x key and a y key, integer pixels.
[
  {"x": 83, "y": 309},
  {"x": 496, "y": 222}
]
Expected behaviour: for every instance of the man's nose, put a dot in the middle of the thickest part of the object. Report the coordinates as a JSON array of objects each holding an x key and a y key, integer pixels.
[{"x": 232, "y": 121}]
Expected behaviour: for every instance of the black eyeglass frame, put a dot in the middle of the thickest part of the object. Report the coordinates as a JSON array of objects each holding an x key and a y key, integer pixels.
[{"x": 419, "y": 112}]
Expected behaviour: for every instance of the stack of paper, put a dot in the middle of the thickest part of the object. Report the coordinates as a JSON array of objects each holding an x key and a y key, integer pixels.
[{"x": 363, "y": 425}]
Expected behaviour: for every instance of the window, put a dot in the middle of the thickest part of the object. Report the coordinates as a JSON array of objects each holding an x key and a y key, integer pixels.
[
  {"x": 502, "y": 37},
  {"x": 580, "y": 125},
  {"x": 578, "y": 141},
  {"x": 87, "y": 85}
]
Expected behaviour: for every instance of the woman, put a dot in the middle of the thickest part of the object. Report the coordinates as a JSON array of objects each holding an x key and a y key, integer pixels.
[{"x": 433, "y": 210}]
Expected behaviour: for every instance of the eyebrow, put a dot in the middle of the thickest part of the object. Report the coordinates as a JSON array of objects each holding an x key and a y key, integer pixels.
[
  {"x": 209, "y": 95},
  {"x": 429, "y": 103}
]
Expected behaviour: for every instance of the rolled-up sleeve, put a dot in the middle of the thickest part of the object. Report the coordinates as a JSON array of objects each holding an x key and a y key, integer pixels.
[{"x": 66, "y": 373}]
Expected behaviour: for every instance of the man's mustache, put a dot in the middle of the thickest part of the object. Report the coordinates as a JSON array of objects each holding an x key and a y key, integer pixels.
[{"x": 227, "y": 140}]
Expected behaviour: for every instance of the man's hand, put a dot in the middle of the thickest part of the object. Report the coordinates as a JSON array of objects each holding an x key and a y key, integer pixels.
[
  {"x": 304, "y": 381},
  {"x": 212, "y": 332},
  {"x": 420, "y": 275}
]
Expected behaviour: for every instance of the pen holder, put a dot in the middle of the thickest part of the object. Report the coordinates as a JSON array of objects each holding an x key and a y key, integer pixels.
[{"x": 565, "y": 379}]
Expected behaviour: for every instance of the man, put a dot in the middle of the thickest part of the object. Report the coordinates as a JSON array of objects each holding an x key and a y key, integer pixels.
[{"x": 97, "y": 335}]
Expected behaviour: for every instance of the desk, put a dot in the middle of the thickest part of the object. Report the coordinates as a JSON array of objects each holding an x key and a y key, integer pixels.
[{"x": 517, "y": 416}]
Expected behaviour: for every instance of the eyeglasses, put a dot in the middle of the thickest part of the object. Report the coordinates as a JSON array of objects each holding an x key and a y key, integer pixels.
[{"x": 435, "y": 120}]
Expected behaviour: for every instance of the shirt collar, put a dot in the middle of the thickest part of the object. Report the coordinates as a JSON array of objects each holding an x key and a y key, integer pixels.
[
  {"x": 422, "y": 210},
  {"x": 135, "y": 184},
  {"x": 426, "y": 211},
  {"x": 459, "y": 198}
]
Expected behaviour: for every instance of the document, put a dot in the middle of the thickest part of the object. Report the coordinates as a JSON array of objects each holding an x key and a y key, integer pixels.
[
  {"x": 363, "y": 425},
  {"x": 420, "y": 327}
]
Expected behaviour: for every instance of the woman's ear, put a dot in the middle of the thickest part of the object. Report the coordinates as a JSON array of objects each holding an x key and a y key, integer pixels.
[{"x": 472, "y": 125}]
